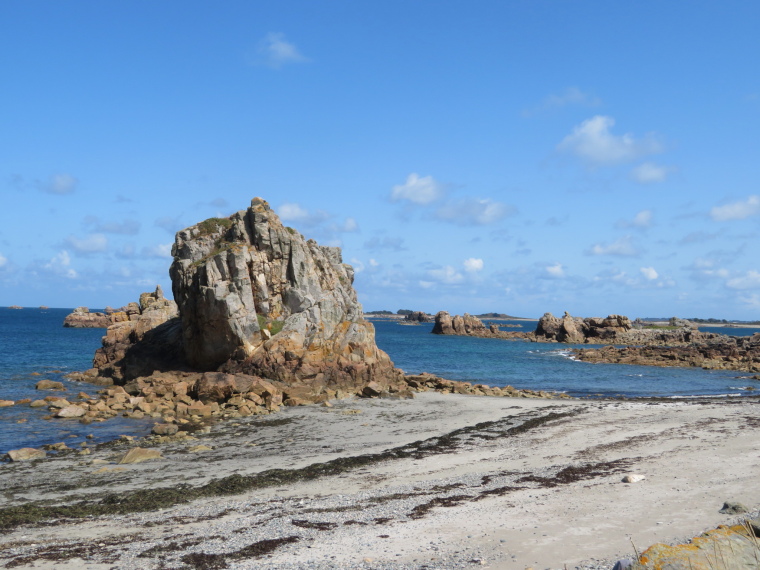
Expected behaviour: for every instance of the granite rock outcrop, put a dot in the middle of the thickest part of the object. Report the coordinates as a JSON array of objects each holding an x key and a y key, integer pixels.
[
  {"x": 257, "y": 298},
  {"x": 469, "y": 325}
]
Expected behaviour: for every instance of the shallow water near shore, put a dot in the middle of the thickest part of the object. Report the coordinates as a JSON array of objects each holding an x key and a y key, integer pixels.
[
  {"x": 538, "y": 366},
  {"x": 35, "y": 346}
]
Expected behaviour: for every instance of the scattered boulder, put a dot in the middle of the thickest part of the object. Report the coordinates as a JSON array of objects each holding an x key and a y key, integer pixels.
[
  {"x": 49, "y": 385},
  {"x": 633, "y": 478},
  {"x": 26, "y": 454},
  {"x": 469, "y": 325},
  {"x": 165, "y": 429},
  {"x": 730, "y": 508},
  {"x": 140, "y": 454},
  {"x": 7, "y": 403},
  {"x": 417, "y": 317},
  {"x": 71, "y": 411}
]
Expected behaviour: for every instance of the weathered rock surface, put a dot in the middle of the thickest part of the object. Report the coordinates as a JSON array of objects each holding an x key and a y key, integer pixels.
[
  {"x": 140, "y": 454},
  {"x": 148, "y": 341},
  {"x": 418, "y": 317},
  {"x": 425, "y": 382},
  {"x": 469, "y": 325},
  {"x": 26, "y": 454},
  {"x": 49, "y": 385},
  {"x": 719, "y": 353},
  {"x": 257, "y": 298},
  {"x": 81, "y": 317},
  {"x": 725, "y": 547}
]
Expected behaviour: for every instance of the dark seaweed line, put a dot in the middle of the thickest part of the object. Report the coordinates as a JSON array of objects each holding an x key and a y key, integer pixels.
[{"x": 145, "y": 500}]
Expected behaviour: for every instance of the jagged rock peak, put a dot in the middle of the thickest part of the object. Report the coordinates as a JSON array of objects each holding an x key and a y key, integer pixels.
[{"x": 256, "y": 296}]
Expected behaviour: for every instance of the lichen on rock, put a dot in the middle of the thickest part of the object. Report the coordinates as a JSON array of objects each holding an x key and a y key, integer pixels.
[{"x": 257, "y": 298}]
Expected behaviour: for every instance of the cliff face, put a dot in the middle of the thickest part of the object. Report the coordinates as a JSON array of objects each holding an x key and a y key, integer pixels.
[{"x": 256, "y": 297}]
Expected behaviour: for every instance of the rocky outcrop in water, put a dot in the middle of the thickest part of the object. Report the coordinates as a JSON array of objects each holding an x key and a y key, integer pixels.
[
  {"x": 81, "y": 317},
  {"x": 469, "y": 325},
  {"x": 256, "y": 297},
  {"x": 718, "y": 353},
  {"x": 417, "y": 317}
]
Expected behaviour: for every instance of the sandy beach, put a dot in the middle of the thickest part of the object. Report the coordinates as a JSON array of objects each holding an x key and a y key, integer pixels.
[{"x": 441, "y": 481}]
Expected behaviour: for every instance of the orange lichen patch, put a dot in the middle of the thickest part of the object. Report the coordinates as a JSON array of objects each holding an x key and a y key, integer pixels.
[{"x": 722, "y": 548}]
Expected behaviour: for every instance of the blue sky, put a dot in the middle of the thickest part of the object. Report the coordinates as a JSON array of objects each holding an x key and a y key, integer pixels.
[{"x": 511, "y": 156}]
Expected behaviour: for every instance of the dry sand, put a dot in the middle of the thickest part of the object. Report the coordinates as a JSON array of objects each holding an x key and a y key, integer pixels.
[{"x": 503, "y": 494}]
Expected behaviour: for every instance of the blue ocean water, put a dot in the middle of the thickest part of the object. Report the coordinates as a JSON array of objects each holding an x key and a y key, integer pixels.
[
  {"x": 539, "y": 366},
  {"x": 34, "y": 345}
]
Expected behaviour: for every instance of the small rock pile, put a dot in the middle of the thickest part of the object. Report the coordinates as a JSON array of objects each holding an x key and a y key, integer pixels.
[{"x": 426, "y": 382}]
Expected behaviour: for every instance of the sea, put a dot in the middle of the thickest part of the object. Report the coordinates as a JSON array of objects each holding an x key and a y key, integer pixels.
[{"x": 34, "y": 345}]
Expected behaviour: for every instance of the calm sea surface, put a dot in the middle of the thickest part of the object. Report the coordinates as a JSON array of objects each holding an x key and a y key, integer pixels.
[{"x": 34, "y": 345}]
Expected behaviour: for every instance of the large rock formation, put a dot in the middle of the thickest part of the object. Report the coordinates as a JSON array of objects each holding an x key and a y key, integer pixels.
[
  {"x": 255, "y": 297},
  {"x": 468, "y": 325},
  {"x": 148, "y": 341}
]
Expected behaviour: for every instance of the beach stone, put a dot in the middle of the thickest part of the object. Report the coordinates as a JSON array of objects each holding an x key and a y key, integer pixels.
[
  {"x": 56, "y": 446},
  {"x": 71, "y": 412},
  {"x": 199, "y": 448},
  {"x": 730, "y": 508},
  {"x": 165, "y": 429},
  {"x": 140, "y": 454},
  {"x": 49, "y": 385},
  {"x": 59, "y": 403},
  {"x": 6, "y": 403},
  {"x": 26, "y": 454},
  {"x": 23, "y": 401},
  {"x": 633, "y": 478}
]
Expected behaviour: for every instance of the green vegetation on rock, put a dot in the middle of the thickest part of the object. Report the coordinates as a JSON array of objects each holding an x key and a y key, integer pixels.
[{"x": 213, "y": 225}]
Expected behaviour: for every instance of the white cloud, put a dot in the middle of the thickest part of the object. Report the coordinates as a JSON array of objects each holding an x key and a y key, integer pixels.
[
  {"x": 473, "y": 265},
  {"x": 3, "y": 260},
  {"x": 60, "y": 184},
  {"x": 275, "y": 52},
  {"x": 592, "y": 141},
  {"x": 750, "y": 280},
  {"x": 474, "y": 211},
  {"x": 641, "y": 220},
  {"x": 555, "y": 270},
  {"x": 161, "y": 250},
  {"x": 737, "y": 210},
  {"x": 60, "y": 265},
  {"x": 373, "y": 262},
  {"x": 648, "y": 173},
  {"x": 93, "y": 243},
  {"x": 650, "y": 273},
  {"x": 292, "y": 212},
  {"x": 350, "y": 225},
  {"x": 418, "y": 190},
  {"x": 622, "y": 247},
  {"x": 570, "y": 96},
  {"x": 447, "y": 275}
]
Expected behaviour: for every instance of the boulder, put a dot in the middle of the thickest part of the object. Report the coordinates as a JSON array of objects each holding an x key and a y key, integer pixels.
[
  {"x": 49, "y": 385},
  {"x": 26, "y": 454},
  {"x": 71, "y": 412},
  {"x": 257, "y": 298},
  {"x": 6, "y": 403},
  {"x": 165, "y": 429},
  {"x": 140, "y": 454}
]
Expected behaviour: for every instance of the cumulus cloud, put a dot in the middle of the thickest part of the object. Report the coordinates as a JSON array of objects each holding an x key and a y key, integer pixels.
[
  {"x": 59, "y": 184},
  {"x": 275, "y": 51},
  {"x": 418, "y": 190},
  {"x": 60, "y": 264},
  {"x": 593, "y": 142},
  {"x": 622, "y": 247},
  {"x": 649, "y": 173},
  {"x": 750, "y": 280},
  {"x": 94, "y": 243},
  {"x": 738, "y": 210},
  {"x": 473, "y": 265},
  {"x": 570, "y": 96},
  {"x": 555, "y": 270},
  {"x": 474, "y": 211},
  {"x": 160, "y": 251},
  {"x": 641, "y": 220},
  {"x": 649, "y": 273},
  {"x": 292, "y": 212},
  {"x": 447, "y": 275},
  {"x": 350, "y": 225}
]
